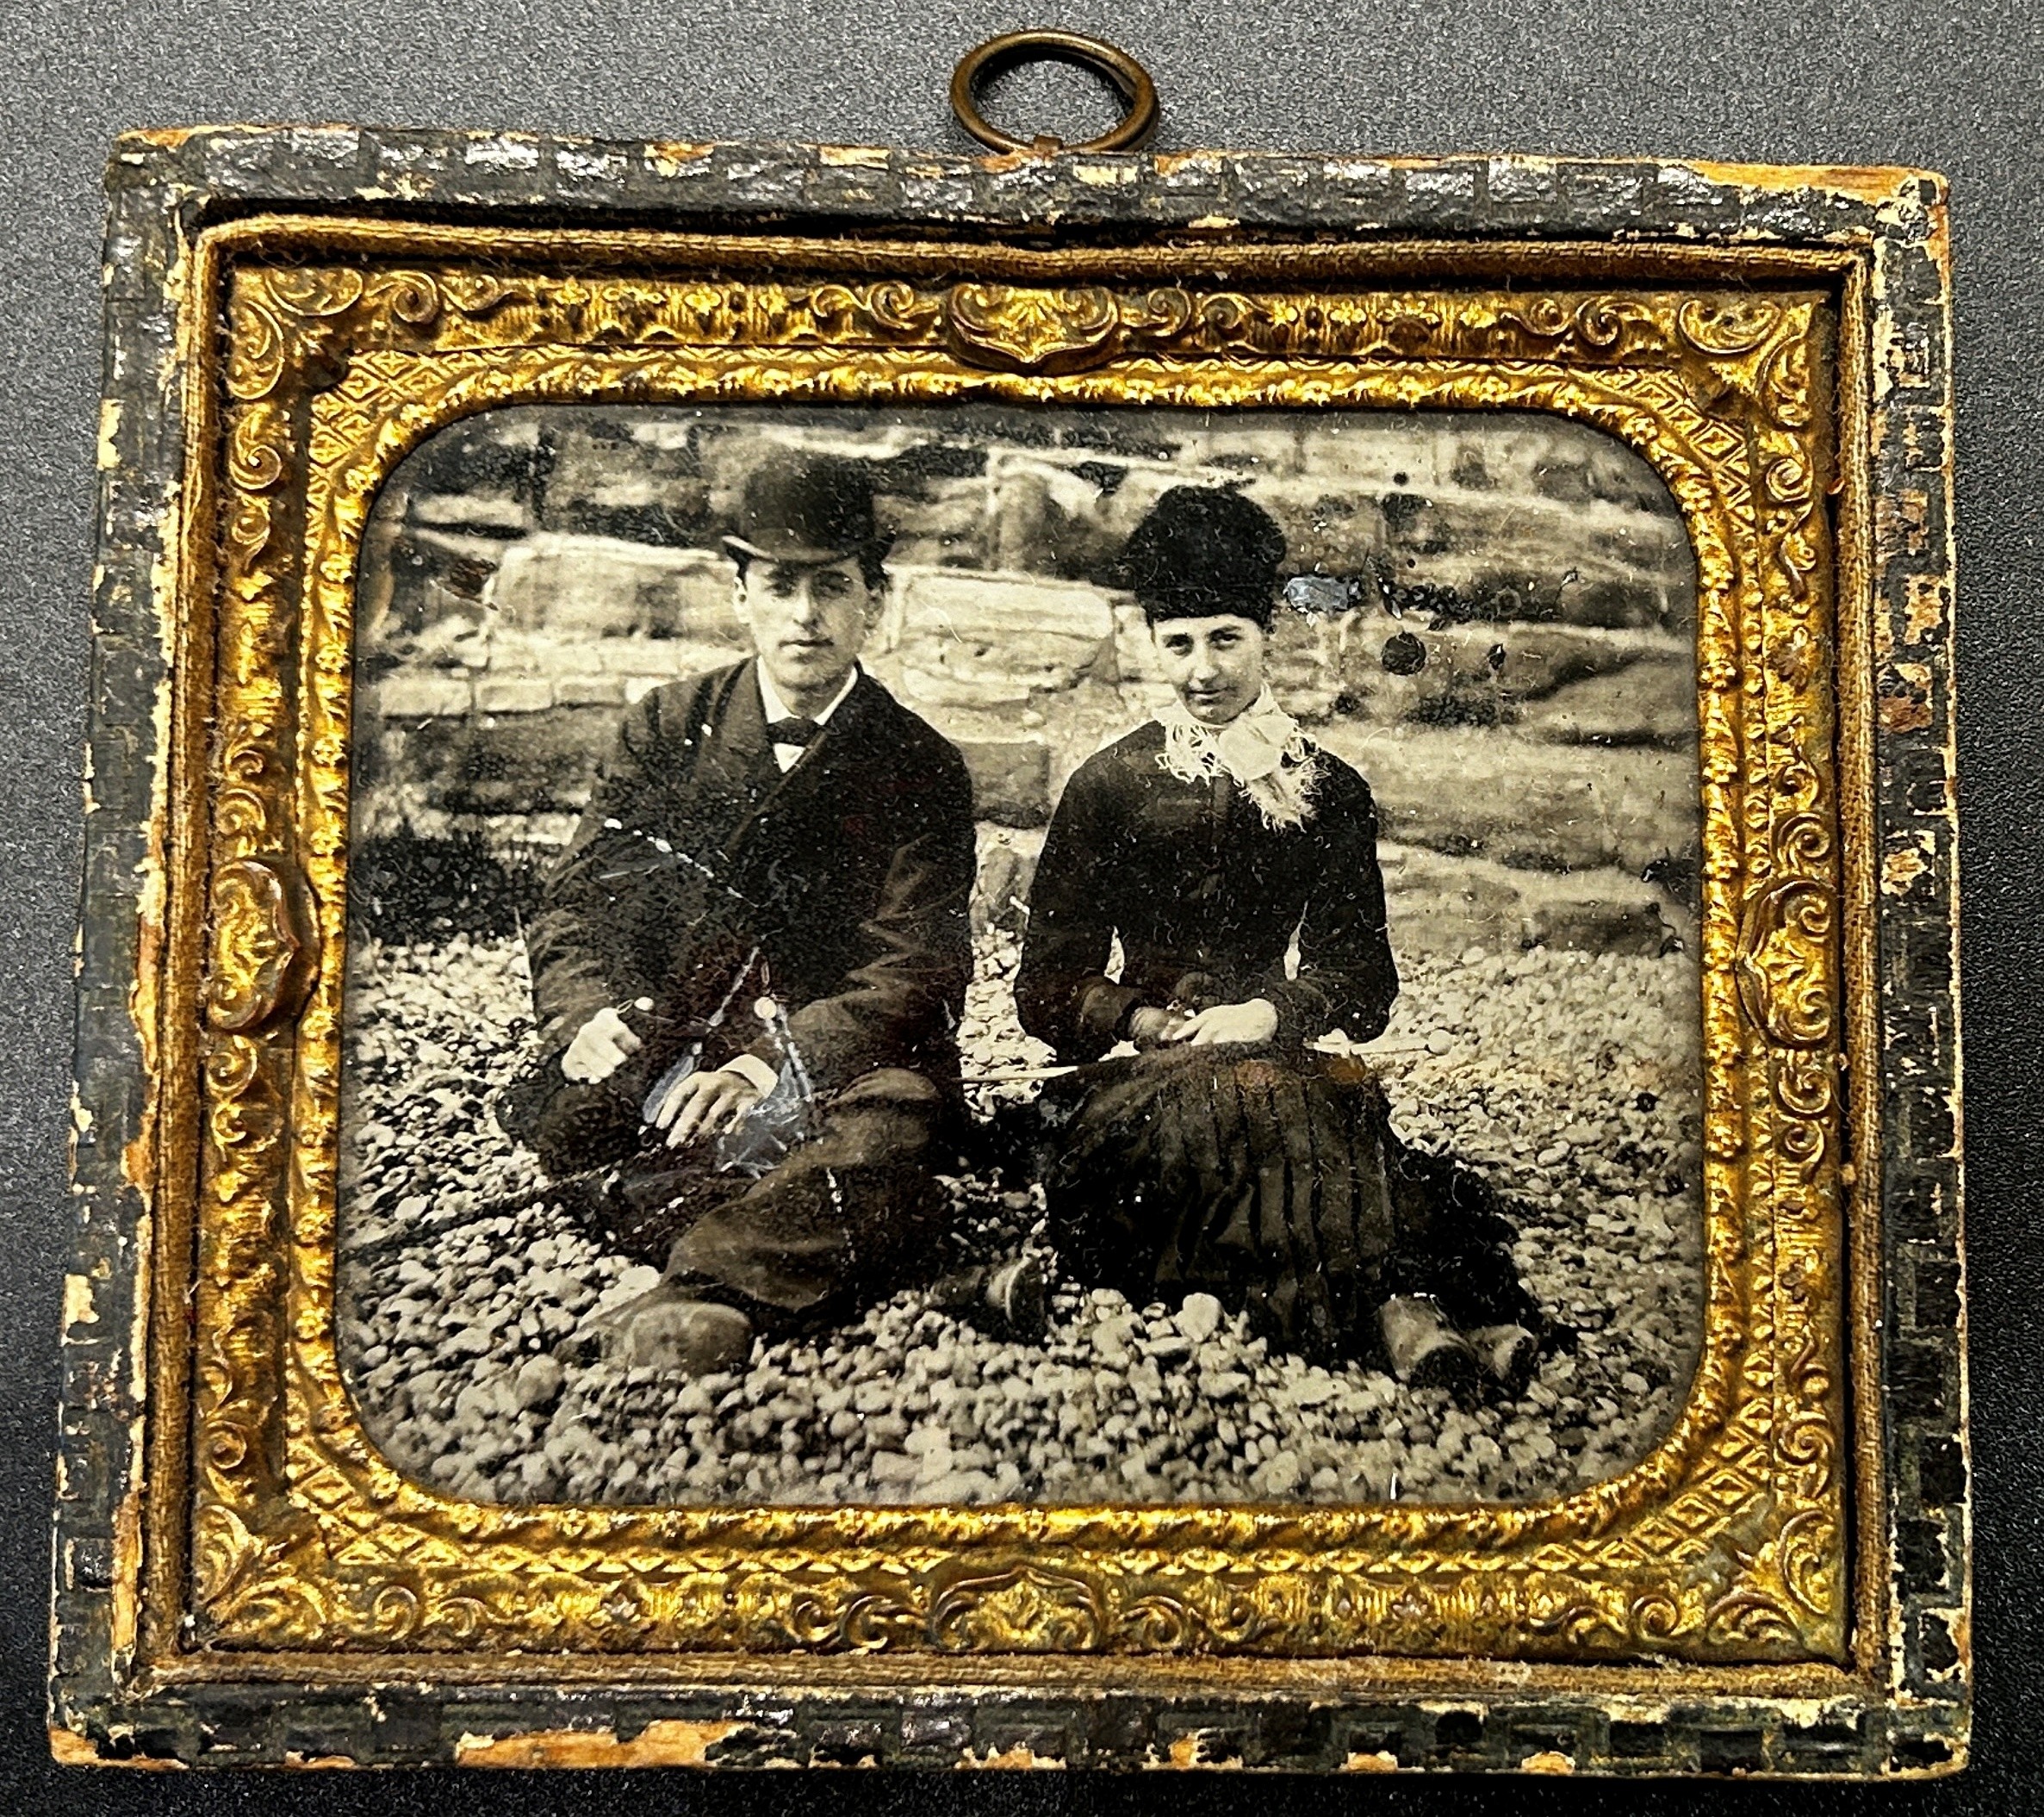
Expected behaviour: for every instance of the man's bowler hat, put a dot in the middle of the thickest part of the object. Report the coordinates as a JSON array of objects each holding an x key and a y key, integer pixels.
[
  {"x": 807, "y": 509},
  {"x": 1203, "y": 552}
]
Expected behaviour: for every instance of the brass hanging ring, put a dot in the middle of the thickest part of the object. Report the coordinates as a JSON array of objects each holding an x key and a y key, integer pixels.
[{"x": 1131, "y": 81}]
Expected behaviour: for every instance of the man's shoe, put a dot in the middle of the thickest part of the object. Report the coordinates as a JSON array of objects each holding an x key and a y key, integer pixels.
[
  {"x": 1508, "y": 1353},
  {"x": 673, "y": 1332},
  {"x": 1424, "y": 1351},
  {"x": 1018, "y": 1294},
  {"x": 1009, "y": 1301}
]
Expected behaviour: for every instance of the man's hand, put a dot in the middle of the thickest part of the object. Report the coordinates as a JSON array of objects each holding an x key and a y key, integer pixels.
[
  {"x": 705, "y": 1104},
  {"x": 1255, "y": 1020},
  {"x": 601, "y": 1045}
]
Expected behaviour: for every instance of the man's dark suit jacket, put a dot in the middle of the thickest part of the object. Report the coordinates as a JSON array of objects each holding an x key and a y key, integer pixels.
[{"x": 701, "y": 877}]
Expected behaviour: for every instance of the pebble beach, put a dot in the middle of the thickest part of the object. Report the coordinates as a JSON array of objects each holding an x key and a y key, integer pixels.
[{"x": 1569, "y": 1079}]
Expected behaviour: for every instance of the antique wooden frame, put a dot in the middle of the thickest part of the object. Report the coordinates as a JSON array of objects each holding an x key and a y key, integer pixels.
[{"x": 1779, "y": 1587}]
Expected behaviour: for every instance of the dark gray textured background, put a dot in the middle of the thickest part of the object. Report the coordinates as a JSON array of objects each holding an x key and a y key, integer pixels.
[{"x": 1956, "y": 87}]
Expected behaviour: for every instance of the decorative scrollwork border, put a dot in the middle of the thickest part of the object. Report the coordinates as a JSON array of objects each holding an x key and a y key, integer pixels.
[{"x": 1728, "y": 1544}]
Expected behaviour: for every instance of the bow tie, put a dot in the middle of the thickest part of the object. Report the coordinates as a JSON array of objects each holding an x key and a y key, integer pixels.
[{"x": 792, "y": 731}]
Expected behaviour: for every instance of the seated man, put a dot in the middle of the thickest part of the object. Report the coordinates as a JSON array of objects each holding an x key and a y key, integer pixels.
[{"x": 751, "y": 960}]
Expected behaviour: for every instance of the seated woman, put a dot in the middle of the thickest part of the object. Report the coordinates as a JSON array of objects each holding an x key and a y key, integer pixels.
[{"x": 1212, "y": 844}]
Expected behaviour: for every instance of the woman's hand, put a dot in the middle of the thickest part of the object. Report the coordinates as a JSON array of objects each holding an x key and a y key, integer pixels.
[
  {"x": 1255, "y": 1020},
  {"x": 1149, "y": 1027},
  {"x": 705, "y": 1104}
]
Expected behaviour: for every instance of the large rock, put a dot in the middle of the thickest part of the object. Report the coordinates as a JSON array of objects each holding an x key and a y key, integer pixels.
[
  {"x": 1478, "y": 674},
  {"x": 1439, "y": 904},
  {"x": 1043, "y": 517},
  {"x": 503, "y": 515},
  {"x": 980, "y": 641},
  {"x": 587, "y": 586},
  {"x": 514, "y": 763},
  {"x": 1596, "y": 561},
  {"x": 607, "y": 668},
  {"x": 1647, "y": 703},
  {"x": 622, "y": 473},
  {"x": 1010, "y": 780},
  {"x": 1492, "y": 793},
  {"x": 1135, "y": 649}
]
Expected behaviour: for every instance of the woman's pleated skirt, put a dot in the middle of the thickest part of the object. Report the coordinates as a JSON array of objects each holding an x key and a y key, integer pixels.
[{"x": 1275, "y": 1182}]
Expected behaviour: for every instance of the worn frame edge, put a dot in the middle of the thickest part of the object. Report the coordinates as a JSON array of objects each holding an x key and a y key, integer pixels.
[{"x": 164, "y": 186}]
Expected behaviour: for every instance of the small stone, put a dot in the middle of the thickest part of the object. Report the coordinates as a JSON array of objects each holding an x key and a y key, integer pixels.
[
  {"x": 538, "y": 1383},
  {"x": 1200, "y": 1316},
  {"x": 1281, "y": 1474},
  {"x": 569, "y": 1446},
  {"x": 1311, "y": 1390},
  {"x": 475, "y": 1407},
  {"x": 958, "y": 1486},
  {"x": 927, "y": 1440},
  {"x": 1440, "y": 1042}
]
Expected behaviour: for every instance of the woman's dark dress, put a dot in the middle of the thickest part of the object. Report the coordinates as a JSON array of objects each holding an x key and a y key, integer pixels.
[{"x": 1266, "y": 1175}]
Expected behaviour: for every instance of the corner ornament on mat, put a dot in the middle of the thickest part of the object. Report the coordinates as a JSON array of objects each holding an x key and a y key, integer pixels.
[
  {"x": 1059, "y": 331},
  {"x": 261, "y": 961}
]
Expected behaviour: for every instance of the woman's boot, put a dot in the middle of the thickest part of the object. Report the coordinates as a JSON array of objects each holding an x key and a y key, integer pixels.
[{"x": 1424, "y": 1351}]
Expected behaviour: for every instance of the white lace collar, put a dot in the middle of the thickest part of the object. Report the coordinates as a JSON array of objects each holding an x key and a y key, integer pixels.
[{"x": 1262, "y": 748}]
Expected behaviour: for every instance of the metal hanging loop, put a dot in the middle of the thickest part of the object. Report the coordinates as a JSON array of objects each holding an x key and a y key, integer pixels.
[{"x": 1131, "y": 81}]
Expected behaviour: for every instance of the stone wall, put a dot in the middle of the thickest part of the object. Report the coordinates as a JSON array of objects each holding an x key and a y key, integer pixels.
[{"x": 1500, "y": 636}]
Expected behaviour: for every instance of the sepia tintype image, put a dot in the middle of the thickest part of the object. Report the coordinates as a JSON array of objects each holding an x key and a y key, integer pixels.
[{"x": 976, "y": 954}]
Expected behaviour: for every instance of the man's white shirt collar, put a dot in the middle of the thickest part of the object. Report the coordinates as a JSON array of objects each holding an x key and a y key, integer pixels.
[{"x": 787, "y": 756}]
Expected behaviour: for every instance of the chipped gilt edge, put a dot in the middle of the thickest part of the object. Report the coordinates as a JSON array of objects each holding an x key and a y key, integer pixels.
[{"x": 1878, "y": 236}]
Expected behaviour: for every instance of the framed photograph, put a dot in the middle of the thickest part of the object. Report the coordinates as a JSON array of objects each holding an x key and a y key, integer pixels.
[{"x": 1086, "y": 960}]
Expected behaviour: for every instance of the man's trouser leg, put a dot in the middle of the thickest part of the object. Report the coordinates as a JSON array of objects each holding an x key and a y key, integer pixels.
[{"x": 851, "y": 1214}]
